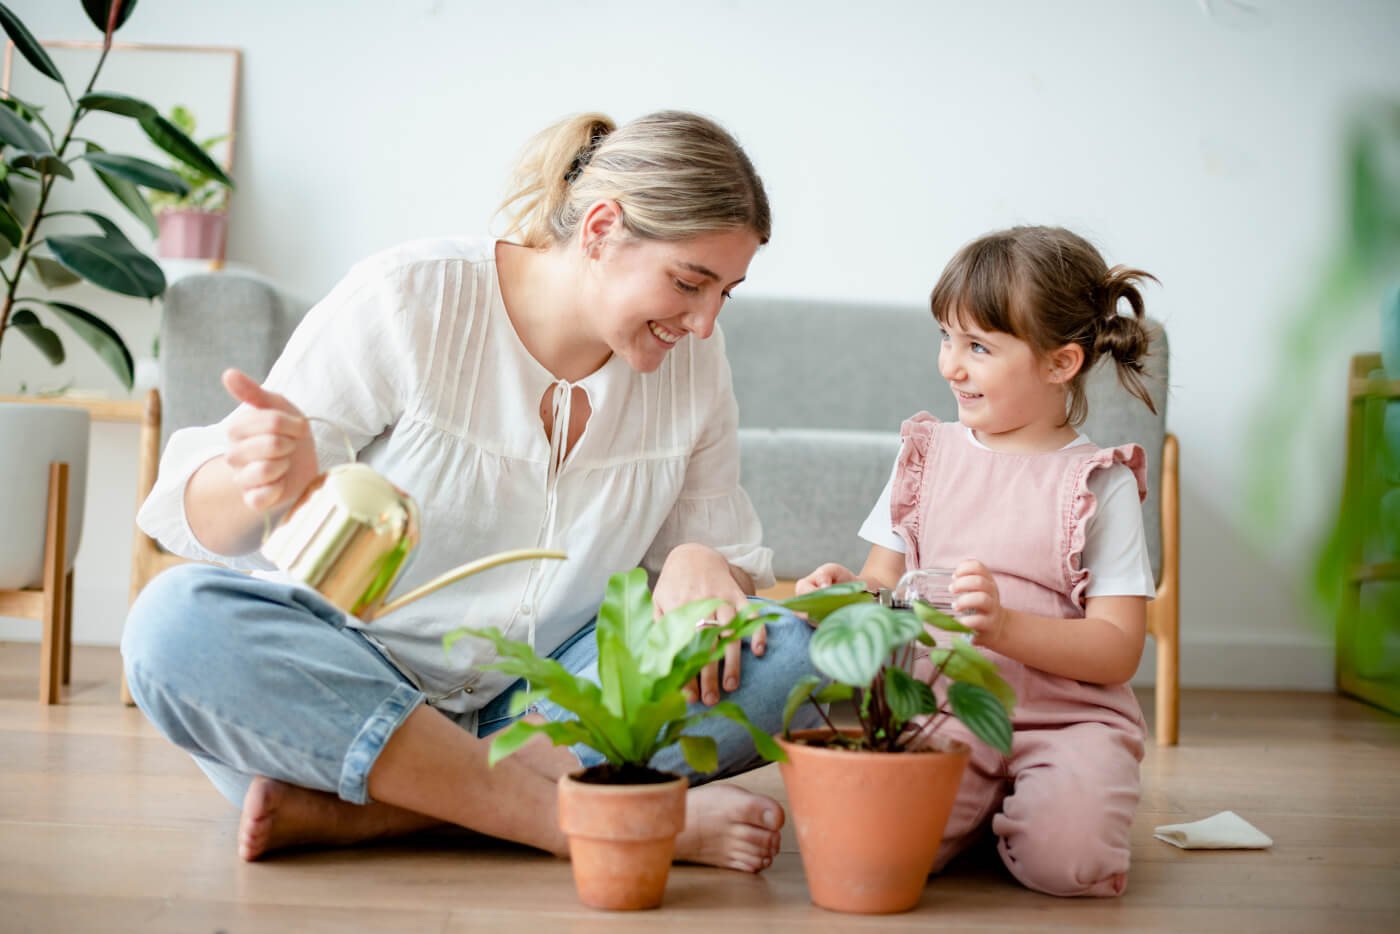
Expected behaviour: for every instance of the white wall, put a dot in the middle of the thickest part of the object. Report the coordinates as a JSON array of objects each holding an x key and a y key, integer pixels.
[{"x": 1197, "y": 140}]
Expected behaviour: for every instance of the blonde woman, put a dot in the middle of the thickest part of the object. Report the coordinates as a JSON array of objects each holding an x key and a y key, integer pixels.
[{"x": 569, "y": 391}]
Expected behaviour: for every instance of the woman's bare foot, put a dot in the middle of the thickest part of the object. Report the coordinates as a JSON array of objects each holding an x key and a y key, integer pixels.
[
  {"x": 278, "y": 815},
  {"x": 729, "y": 827}
]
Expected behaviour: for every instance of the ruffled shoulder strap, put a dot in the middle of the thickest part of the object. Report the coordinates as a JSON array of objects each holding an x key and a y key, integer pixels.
[
  {"x": 1082, "y": 504},
  {"x": 916, "y": 438}
]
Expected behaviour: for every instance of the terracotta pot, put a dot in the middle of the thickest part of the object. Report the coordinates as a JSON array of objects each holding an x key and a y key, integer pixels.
[
  {"x": 620, "y": 839},
  {"x": 192, "y": 234},
  {"x": 869, "y": 823}
]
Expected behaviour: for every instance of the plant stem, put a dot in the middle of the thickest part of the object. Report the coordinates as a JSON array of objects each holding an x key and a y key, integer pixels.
[{"x": 829, "y": 724}]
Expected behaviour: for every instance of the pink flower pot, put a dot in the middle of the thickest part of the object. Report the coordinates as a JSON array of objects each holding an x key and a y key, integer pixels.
[{"x": 192, "y": 234}]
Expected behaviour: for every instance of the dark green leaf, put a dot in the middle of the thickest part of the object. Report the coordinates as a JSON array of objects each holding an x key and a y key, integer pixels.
[
  {"x": 128, "y": 195},
  {"x": 820, "y": 603},
  {"x": 41, "y": 337},
  {"x": 964, "y": 663},
  {"x": 110, "y": 263},
  {"x": 99, "y": 12},
  {"x": 701, "y": 753},
  {"x": 117, "y": 104},
  {"x": 28, "y": 46},
  {"x": 796, "y": 698},
  {"x": 933, "y": 617},
  {"x": 14, "y": 131},
  {"x": 907, "y": 696},
  {"x": 853, "y": 643},
  {"x": 44, "y": 164},
  {"x": 98, "y": 335},
  {"x": 169, "y": 137},
  {"x": 10, "y": 227},
  {"x": 53, "y": 274},
  {"x": 138, "y": 172},
  {"x": 982, "y": 714}
]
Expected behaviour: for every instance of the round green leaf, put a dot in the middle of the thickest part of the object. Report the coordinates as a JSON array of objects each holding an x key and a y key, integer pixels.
[
  {"x": 982, "y": 714},
  {"x": 112, "y": 264},
  {"x": 98, "y": 335},
  {"x": 907, "y": 696},
  {"x": 853, "y": 643},
  {"x": 28, "y": 46},
  {"x": 169, "y": 137},
  {"x": 138, "y": 171},
  {"x": 16, "y": 132},
  {"x": 117, "y": 104},
  {"x": 28, "y": 324}
]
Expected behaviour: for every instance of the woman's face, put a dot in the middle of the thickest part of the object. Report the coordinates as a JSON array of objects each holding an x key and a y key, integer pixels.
[{"x": 651, "y": 294}]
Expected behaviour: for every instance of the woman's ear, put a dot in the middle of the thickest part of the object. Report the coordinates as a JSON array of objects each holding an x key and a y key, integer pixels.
[
  {"x": 1065, "y": 363},
  {"x": 601, "y": 220}
]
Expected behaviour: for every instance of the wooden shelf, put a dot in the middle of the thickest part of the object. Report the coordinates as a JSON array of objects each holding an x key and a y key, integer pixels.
[{"x": 102, "y": 410}]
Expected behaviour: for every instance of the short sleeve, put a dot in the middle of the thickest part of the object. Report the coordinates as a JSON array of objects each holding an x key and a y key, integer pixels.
[
  {"x": 712, "y": 508},
  {"x": 877, "y": 529},
  {"x": 1115, "y": 544}
]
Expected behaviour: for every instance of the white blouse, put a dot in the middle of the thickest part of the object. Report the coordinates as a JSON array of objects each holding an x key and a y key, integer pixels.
[{"x": 414, "y": 356}]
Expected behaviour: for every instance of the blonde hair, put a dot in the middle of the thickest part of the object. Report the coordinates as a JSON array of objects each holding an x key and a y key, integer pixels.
[{"x": 676, "y": 175}]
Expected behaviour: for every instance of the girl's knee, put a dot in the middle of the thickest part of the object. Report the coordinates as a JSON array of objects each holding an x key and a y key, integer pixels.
[{"x": 1049, "y": 863}]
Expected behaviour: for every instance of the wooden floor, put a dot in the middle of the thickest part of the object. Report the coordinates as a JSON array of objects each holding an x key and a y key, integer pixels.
[{"x": 104, "y": 826}]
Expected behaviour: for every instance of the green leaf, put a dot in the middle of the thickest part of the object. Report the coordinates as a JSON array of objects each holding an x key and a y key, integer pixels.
[
  {"x": 169, "y": 137},
  {"x": 983, "y": 714},
  {"x": 626, "y": 610},
  {"x": 28, "y": 324},
  {"x": 112, "y": 264},
  {"x": 28, "y": 46},
  {"x": 937, "y": 618},
  {"x": 520, "y": 701},
  {"x": 10, "y": 227},
  {"x": 820, "y": 603},
  {"x": 834, "y": 693},
  {"x": 671, "y": 633},
  {"x": 907, "y": 696},
  {"x": 796, "y": 697},
  {"x": 98, "y": 335},
  {"x": 963, "y": 663},
  {"x": 127, "y": 193},
  {"x": 138, "y": 171},
  {"x": 701, "y": 752},
  {"x": 53, "y": 274},
  {"x": 650, "y": 720},
  {"x": 511, "y": 739},
  {"x": 764, "y": 743},
  {"x": 47, "y": 164},
  {"x": 117, "y": 104},
  {"x": 99, "y": 11},
  {"x": 16, "y": 132},
  {"x": 852, "y": 644}
]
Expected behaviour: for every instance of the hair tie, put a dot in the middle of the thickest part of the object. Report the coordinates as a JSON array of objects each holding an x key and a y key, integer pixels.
[{"x": 585, "y": 155}]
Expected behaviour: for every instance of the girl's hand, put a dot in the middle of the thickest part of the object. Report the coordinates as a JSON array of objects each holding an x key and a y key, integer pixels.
[
  {"x": 698, "y": 572},
  {"x": 824, "y": 576},
  {"x": 978, "y": 602},
  {"x": 270, "y": 448}
]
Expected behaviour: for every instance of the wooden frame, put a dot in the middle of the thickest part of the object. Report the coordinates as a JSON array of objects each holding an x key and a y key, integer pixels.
[
  {"x": 52, "y": 604},
  {"x": 1163, "y": 613}
]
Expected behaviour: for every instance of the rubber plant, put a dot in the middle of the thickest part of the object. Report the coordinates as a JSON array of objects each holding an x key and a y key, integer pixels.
[{"x": 38, "y": 154}]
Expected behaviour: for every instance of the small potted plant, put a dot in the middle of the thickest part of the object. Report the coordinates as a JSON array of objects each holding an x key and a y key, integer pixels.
[
  {"x": 193, "y": 225},
  {"x": 622, "y": 817},
  {"x": 870, "y": 803}
]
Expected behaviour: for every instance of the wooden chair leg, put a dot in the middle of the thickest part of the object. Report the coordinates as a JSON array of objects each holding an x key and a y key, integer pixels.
[
  {"x": 66, "y": 653},
  {"x": 55, "y": 552},
  {"x": 1168, "y": 671}
]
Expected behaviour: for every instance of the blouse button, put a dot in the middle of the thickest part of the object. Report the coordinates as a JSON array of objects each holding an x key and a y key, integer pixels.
[
  {"x": 525, "y": 609},
  {"x": 467, "y": 689}
]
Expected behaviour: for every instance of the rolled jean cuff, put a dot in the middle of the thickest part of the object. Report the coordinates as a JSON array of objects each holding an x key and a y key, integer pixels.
[{"x": 369, "y": 742}]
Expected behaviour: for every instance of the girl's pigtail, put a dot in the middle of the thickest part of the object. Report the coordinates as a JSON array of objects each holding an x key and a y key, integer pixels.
[
  {"x": 1124, "y": 337},
  {"x": 551, "y": 162}
]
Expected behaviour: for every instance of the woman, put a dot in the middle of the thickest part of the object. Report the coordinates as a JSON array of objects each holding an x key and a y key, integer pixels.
[{"x": 557, "y": 393}]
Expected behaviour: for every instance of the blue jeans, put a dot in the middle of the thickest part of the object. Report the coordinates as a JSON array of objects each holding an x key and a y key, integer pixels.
[{"x": 253, "y": 677}]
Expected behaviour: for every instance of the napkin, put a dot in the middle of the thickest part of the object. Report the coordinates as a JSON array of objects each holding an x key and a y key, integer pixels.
[{"x": 1225, "y": 831}]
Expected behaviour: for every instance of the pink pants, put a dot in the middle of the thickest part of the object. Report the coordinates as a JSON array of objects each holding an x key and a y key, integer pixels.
[{"x": 1062, "y": 803}]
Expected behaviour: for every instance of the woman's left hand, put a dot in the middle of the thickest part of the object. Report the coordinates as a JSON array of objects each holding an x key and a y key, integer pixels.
[
  {"x": 977, "y": 601},
  {"x": 698, "y": 572}
]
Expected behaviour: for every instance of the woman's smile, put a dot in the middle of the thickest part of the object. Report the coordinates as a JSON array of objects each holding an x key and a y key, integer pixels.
[{"x": 664, "y": 334}]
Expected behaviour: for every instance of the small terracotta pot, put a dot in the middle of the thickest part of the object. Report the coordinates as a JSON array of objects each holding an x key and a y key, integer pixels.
[
  {"x": 869, "y": 823},
  {"x": 620, "y": 839},
  {"x": 192, "y": 234}
]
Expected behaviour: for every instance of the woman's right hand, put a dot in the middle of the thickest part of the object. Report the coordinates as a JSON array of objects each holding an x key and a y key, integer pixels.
[
  {"x": 824, "y": 576},
  {"x": 270, "y": 448}
]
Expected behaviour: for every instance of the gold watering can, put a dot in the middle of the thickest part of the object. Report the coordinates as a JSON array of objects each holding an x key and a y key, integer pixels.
[{"x": 349, "y": 535}]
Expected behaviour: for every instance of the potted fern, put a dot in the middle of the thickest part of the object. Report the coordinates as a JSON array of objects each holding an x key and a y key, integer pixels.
[
  {"x": 622, "y": 817},
  {"x": 870, "y": 803},
  {"x": 193, "y": 225}
]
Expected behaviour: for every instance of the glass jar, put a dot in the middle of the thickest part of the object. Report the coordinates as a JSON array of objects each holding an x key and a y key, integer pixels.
[{"x": 931, "y": 585}]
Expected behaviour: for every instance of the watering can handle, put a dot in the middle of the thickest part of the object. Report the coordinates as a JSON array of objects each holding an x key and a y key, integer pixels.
[{"x": 466, "y": 570}]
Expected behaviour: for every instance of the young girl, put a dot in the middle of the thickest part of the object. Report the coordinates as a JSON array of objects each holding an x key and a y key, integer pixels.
[{"x": 1044, "y": 532}]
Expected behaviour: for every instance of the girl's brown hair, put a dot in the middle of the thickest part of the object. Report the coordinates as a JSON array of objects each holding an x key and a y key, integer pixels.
[
  {"x": 1050, "y": 287},
  {"x": 676, "y": 175}
]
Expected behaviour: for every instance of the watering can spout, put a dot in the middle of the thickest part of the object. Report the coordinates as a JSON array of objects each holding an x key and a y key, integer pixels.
[{"x": 349, "y": 535}]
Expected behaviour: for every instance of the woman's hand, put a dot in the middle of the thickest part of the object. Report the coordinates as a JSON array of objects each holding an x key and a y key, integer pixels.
[
  {"x": 978, "y": 602},
  {"x": 698, "y": 572},
  {"x": 270, "y": 448},
  {"x": 824, "y": 576}
]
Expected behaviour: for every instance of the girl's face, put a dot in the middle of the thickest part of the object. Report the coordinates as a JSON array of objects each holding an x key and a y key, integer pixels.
[
  {"x": 1011, "y": 399},
  {"x": 653, "y": 293}
]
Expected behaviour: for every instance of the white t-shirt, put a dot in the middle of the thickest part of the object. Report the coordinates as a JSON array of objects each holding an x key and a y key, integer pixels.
[
  {"x": 1115, "y": 545},
  {"x": 414, "y": 356}
]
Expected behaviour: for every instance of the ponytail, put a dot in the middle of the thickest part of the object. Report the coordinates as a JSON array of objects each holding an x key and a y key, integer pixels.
[
  {"x": 1124, "y": 337},
  {"x": 551, "y": 162}
]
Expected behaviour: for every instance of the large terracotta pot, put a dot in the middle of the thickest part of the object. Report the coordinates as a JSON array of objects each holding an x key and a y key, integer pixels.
[
  {"x": 192, "y": 234},
  {"x": 869, "y": 823},
  {"x": 620, "y": 839}
]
